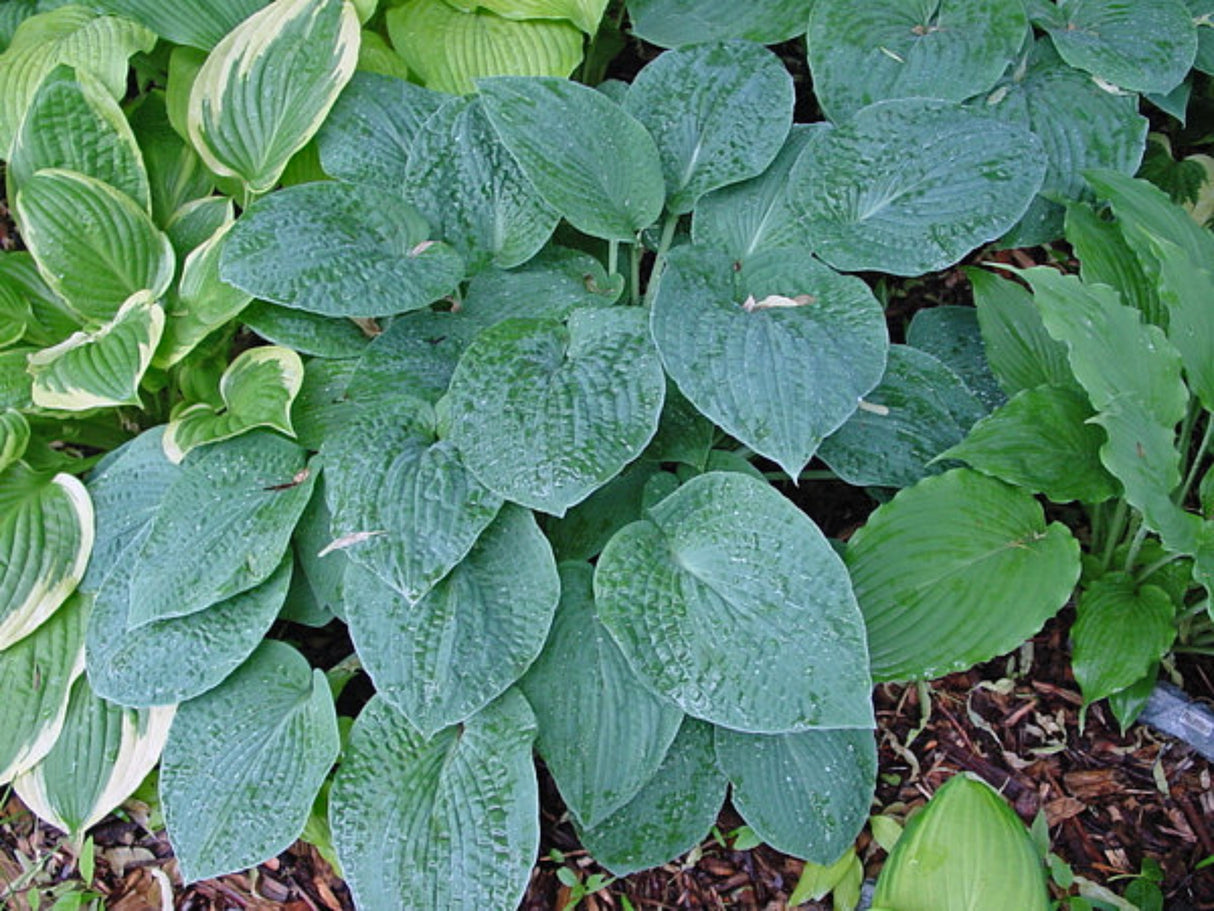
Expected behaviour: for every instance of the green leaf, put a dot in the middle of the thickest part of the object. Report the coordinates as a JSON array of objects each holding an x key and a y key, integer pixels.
[
  {"x": 1106, "y": 258},
  {"x": 832, "y": 774},
  {"x": 719, "y": 113},
  {"x": 550, "y": 286},
  {"x": 14, "y": 437},
  {"x": 16, "y": 386},
  {"x": 585, "y": 14},
  {"x": 185, "y": 22},
  {"x": 954, "y": 571},
  {"x": 919, "y": 409},
  {"x": 338, "y": 250},
  {"x": 47, "y": 319},
  {"x": 46, "y": 533},
  {"x": 376, "y": 56},
  {"x": 16, "y": 315},
  {"x": 602, "y": 733},
  {"x": 670, "y": 815},
  {"x": 428, "y": 657},
  {"x": 911, "y": 186},
  {"x": 12, "y": 14},
  {"x": 673, "y": 23},
  {"x": 545, "y": 412},
  {"x": 951, "y": 49},
  {"x": 257, "y": 391},
  {"x": 1121, "y": 631},
  {"x": 94, "y": 246},
  {"x": 1185, "y": 289},
  {"x": 728, "y": 600},
  {"x": 777, "y": 353},
  {"x": 583, "y": 532},
  {"x": 244, "y": 762},
  {"x": 307, "y": 333},
  {"x": 464, "y": 181},
  {"x": 321, "y": 409},
  {"x": 966, "y": 848},
  {"x": 324, "y": 575},
  {"x": 1146, "y": 209},
  {"x": 266, "y": 88},
  {"x": 609, "y": 182},
  {"x": 951, "y": 334},
  {"x": 445, "y": 822},
  {"x": 450, "y": 49},
  {"x": 1146, "y": 46}
]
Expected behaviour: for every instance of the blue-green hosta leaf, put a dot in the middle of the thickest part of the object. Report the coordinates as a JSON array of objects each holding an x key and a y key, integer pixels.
[
  {"x": 718, "y": 112},
  {"x": 727, "y": 599},
  {"x": 602, "y": 733},
  {"x": 36, "y": 675},
  {"x": 257, "y": 389},
  {"x": 911, "y": 186},
  {"x": 183, "y": 21},
  {"x": 428, "y": 657},
  {"x": 550, "y": 286},
  {"x": 919, "y": 409},
  {"x": 308, "y": 333},
  {"x": 465, "y": 182},
  {"x": 103, "y": 753},
  {"x": 72, "y": 35},
  {"x": 94, "y": 246},
  {"x": 583, "y": 532},
  {"x": 450, "y": 49},
  {"x": 1121, "y": 631},
  {"x": 673, "y": 23},
  {"x": 14, "y": 436},
  {"x": 1145, "y": 46},
  {"x": 585, "y": 14},
  {"x": 222, "y": 526},
  {"x": 450, "y": 821},
  {"x": 266, "y": 88},
  {"x": 323, "y": 569},
  {"x": 73, "y": 123},
  {"x": 321, "y": 409},
  {"x": 546, "y": 412},
  {"x": 965, "y": 849},
  {"x": 956, "y": 570},
  {"x": 670, "y": 815},
  {"x": 368, "y": 134},
  {"x": 952, "y": 335},
  {"x": 338, "y": 250},
  {"x": 244, "y": 762},
  {"x": 860, "y": 53},
  {"x": 608, "y": 183},
  {"x": 805, "y": 794},
  {"x": 778, "y": 353},
  {"x": 101, "y": 368},
  {"x": 46, "y": 534}
]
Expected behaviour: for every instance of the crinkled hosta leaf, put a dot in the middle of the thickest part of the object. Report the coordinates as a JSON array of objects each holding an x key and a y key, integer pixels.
[
  {"x": 546, "y": 412},
  {"x": 222, "y": 526},
  {"x": 778, "y": 353},
  {"x": 727, "y": 599},
  {"x": 920, "y": 409},
  {"x": 338, "y": 250},
  {"x": 403, "y": 497},
  {"x": 956, "y": 570},
  {"x": 608, "y": 183},
  {"x": 266, "y": 88},
  {"x": 583, "y": 532},
  {"x": 100, "y": 368},
  {"x": 321, "y": 409},
  {"x": 965, "y": 849},
  {"x": 684, "y": 434},
  {"x": 307, "y": 333},
  {"x": 36, "y": 676},
  {"x": 93, "y": 244},
  {"x": 672, "y": 23},
  {"x": 184, "y": 21},
  {"x": 14, "y": 436},
  {"x": 428, "y": 657},
  {"x": 911, "y": 186},
  {"x": 602, "y": 733},
  {"x": 718, "y": 112},
  {"x": 873, "y": 51},
  {"x": 465, "y": 182},
  {"x": 952, "y": 335},
  {"x": 46, "y": 534},
  {"x": 450, "y": 821},
  {"x": 550, "y": 286},
  {"x": 1121, "y": 631},
  {"x": 670, "y": 815},
  {"x": 450, "y": 49},
  {"x": 244, "y": 762},
  {"x": 72, "y": 35},
  {"x": 103, "y": 753},
  {"x": 74, "y": 124},
  {"x": 257, "y": 389},
  {"x": 1145, "y": 46},
  {"x": 805, "y": 794},
  {"x": 1106, "y": 258}
]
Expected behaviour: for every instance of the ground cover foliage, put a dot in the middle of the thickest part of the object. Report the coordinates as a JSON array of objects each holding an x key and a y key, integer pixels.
[{"x": 512, "y": 384}]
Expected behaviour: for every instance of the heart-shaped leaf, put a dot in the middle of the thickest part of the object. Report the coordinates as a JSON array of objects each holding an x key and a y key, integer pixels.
[
  {"x": 550, "y": 286},
  {"x": 673, "y": 23},
  {"x": 185, "y": 22}
]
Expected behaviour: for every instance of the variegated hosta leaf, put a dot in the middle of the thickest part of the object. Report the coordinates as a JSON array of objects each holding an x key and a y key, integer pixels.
[
  {"x": 585, "y": 14},
  {"x": 14, "y": 436},
  {"x": 46, "y": 534},
  {"x": 102, "y": 368},
  {"x": 103, "y": 753},
  {"x": 267, "y": 86},
  {"x": 200, "y": 25},
  {"x": 74, "y": 35},
  {"x": 94, "y": 246},
  {"x": 257, "y": 391},
  {"x": 450, "y": 49}
]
